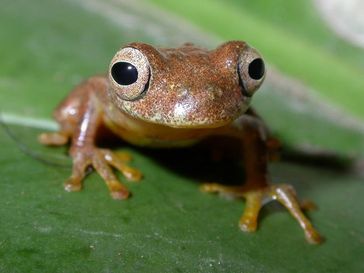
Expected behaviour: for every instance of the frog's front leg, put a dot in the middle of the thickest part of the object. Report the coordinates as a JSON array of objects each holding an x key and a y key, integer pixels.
[
  {"x": 82, "y": 128},
  {"x": 256, "y": 190}
]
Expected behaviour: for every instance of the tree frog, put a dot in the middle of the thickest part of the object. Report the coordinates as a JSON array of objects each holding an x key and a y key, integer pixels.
[{"x": 174, "y": 97}]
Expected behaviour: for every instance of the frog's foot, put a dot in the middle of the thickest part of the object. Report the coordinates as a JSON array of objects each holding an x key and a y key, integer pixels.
[
  {"x": 256, "y": 198},
  {"x": 53, "y": 139},
  {"x": 101, "y": 160}
]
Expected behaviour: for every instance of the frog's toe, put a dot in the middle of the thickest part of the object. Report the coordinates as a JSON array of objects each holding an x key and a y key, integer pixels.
[
  {"x": 313, "y": 237},
  {"x": 254, "y": 201},
  {"x": 123, "y": 156},
  {"x": 53, "y": 139},
  {"x": 247, "y": 224},
  {"x": 209, "y": 187},
  {"x": 286, "y": 195},
  {"x": 131, "y": 174},
  {"x": 308, "y": 205},
  {"x": 118, "y": 162},
  {"x": 72, "y": 185},
  {"x": 234, "y": 191},
  {"x": 100, "y": 163},
  {"x": 117, "y": 190}
]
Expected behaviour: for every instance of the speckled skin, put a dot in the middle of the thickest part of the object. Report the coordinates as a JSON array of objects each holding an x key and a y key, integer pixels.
[
  {"x": 212, "y": 100},
  {"x": 181, "y": 95}
]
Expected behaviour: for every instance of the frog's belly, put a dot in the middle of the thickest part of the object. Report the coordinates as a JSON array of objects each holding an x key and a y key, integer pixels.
[{"x": 151, "y": 135}]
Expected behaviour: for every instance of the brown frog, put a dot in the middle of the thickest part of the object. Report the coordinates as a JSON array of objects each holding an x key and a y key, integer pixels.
[{"x": 167, "y": 97}]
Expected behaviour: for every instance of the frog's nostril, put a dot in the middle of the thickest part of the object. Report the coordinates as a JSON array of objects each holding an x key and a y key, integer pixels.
[
  {"x": 124, "y": 73},
  {"x": 256, "y": 69}
]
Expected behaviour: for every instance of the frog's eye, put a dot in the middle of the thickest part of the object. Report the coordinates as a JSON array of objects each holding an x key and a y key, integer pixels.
[
  {"x": 256, "y": 69},
  {"x": 124, "y": 73},
  {"x": 129, "y": 74},
  {"x": 251, "y": 70}
]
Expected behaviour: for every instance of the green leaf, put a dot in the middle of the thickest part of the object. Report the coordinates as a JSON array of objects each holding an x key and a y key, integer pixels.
[{"x": 168, "y": 225}]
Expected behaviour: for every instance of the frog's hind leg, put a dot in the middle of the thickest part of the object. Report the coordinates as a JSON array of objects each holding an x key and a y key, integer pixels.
[
  {"x": 257, "y": 190},
  {"x": 256, "y": 198}
]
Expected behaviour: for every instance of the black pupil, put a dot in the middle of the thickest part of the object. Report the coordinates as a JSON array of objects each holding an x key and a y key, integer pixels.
[
  {"x": 124, "y": 73},
  {"x": 256, "y": 69}
]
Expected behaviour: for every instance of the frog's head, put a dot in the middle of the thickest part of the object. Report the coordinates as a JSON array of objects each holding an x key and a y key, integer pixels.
[{"x": 187, "y": 86}]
